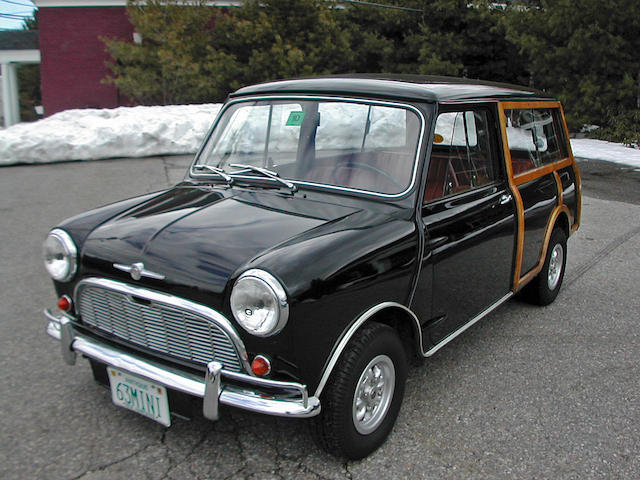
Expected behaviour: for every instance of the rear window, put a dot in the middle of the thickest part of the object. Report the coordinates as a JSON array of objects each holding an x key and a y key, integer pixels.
[{"x": 535, "y": 137}]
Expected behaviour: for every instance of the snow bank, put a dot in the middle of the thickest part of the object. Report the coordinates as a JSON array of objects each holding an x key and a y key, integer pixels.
[
  {"x": 92, "y": 134},
  {"x": 601, "y": 150}
]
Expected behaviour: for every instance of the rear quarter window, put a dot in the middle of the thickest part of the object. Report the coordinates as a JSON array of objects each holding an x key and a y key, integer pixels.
[{"x": 535, "y": 137}]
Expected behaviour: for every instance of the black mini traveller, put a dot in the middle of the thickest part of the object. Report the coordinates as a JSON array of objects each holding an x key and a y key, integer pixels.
[{"x": 327, "y": 230}]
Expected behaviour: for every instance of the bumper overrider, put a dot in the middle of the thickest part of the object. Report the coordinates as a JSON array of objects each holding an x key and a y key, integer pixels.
[{"x": 255, "y": 394}]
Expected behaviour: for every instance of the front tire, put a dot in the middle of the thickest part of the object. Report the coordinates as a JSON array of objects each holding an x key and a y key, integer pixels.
[
  {"x": 544, "y": 288},
  {"x": 363, "y": 396}
]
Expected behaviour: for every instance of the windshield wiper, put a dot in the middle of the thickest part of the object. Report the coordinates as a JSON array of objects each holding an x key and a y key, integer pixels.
[
  {"x": 265, "y": 172},
  {"x": 218, "y": 171}
]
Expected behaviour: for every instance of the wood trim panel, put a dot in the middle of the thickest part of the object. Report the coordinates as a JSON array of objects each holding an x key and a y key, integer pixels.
[
  {"x": 532, "y": 104},
  {"x": 542, "y": 171},
  {"x": 514, "y": 181},
  {"x": 516, "y": 197},
  {"x": 576, "y": 220},
  {"x": 556, "y": 175}
]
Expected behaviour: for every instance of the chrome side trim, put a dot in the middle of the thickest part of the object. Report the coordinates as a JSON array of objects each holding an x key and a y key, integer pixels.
[
  {"x": 294, "y": 96},
  {"x": 346, "y": 336},
  {"x": 293, "y": 401},
  {"x": 467, "y": 325},
  {"x": 215, "y": 317}
]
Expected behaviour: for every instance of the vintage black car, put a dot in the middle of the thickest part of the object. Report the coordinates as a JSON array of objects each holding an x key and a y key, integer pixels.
[{"x": 327, "y": 230}]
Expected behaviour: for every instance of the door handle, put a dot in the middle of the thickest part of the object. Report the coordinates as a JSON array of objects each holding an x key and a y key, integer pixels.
[{"x": 505, "y": 198}]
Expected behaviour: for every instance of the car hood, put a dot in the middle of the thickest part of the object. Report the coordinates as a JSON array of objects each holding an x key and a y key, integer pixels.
[{"x": 198, "y": 238}]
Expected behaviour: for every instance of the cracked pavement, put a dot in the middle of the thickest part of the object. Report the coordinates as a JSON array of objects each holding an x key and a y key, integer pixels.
[{"x": 528, "y": 392}]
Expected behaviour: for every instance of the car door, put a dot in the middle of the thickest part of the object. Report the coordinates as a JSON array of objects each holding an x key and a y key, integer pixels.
[{"x": 468, "y": 215}]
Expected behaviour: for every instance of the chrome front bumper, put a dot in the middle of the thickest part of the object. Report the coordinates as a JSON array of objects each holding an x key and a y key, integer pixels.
[{"x": 290, "y": 400}]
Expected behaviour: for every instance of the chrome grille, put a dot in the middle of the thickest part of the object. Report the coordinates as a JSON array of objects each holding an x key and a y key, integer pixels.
[{"x": 163, "y": 328}]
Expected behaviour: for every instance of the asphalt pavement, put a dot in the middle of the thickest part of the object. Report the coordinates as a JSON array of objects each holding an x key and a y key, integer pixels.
[{"x": 526, "y": 393}]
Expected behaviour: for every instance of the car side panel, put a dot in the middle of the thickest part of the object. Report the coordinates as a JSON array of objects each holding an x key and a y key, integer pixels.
[
  {"x": 470, "y": 244},
  {"x": 539, "y": 198}
]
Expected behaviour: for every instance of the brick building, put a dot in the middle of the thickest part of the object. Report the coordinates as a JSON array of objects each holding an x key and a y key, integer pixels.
[{"x": 73, "y": 56}]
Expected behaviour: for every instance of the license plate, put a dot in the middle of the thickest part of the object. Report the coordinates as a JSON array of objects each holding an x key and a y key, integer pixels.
[{"x": 140, "y": 395}]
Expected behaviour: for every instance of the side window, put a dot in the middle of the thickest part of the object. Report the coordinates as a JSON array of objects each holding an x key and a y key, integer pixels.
[
  {"x": 461, "y": 158},
  {"x": 535, "y": 138}
]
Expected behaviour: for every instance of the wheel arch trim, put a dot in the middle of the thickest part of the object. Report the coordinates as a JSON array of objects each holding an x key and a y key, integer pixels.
[{"x": 355, "y": 326}]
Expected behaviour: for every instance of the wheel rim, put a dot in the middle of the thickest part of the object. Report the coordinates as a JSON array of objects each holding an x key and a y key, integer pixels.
[
  {"x": 555, "y": 266},
  {"x": 373, "y": 394}
]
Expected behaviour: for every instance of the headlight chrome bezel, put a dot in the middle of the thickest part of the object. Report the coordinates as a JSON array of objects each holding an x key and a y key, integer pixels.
[
  {"x": 69, "y": 252},
  {"x": 273, "y": 287}
]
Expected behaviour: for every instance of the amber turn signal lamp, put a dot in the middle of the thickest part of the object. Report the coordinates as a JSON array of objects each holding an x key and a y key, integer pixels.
[
  {"x": 261, "y": 365},
  {"x": 64, "y": 303}
]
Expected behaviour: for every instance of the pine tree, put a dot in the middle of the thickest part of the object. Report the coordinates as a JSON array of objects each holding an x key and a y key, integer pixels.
[
  {"x": 587, "y": 52},
  {"x": 194, "y": 53},
  {"x": 381, "y": 37},
  {"x": 467, "y": 38},
  {"x": 274, "y": 39},
  {"x": 166, "y": 67}
]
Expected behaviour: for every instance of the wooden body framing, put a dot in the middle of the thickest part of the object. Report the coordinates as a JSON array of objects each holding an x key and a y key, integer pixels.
[{"x": 515, "y": 181}]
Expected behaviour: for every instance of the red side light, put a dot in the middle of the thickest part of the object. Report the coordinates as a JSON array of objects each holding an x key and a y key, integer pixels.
[
  {"x": 261, "y": 365},
  {"x": 64, "y": 303}
]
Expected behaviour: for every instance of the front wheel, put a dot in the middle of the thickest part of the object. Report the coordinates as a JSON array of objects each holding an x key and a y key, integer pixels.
[
  {"x": 363, "y": 396},
  {"x": 544, "y": 288}
]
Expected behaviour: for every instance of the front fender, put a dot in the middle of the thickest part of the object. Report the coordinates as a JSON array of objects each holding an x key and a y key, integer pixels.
[{"x": 333, "y": 276}]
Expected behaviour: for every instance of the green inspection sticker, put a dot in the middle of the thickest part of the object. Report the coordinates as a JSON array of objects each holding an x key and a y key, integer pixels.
[{"x": 295, "y": 119}]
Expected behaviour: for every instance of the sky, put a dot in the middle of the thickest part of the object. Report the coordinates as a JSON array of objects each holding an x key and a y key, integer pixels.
[{"x": 13, "y": 11}]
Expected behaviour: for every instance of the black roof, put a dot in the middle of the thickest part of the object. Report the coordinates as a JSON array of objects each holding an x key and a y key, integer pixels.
[
  {"x": 19, "y": 40},
  {"x": 410, "y": 87}
]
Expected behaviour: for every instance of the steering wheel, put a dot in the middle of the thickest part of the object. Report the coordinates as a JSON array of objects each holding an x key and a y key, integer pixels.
[{"x": 365, "y": 166}]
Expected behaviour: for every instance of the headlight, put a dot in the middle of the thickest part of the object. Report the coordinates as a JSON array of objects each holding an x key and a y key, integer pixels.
[
  {"x": 259, "y": 303},
  {"x": 60, "y": 255}
]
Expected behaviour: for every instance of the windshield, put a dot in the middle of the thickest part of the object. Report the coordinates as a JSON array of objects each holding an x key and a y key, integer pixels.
[{"x": 363, "y": 146}]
